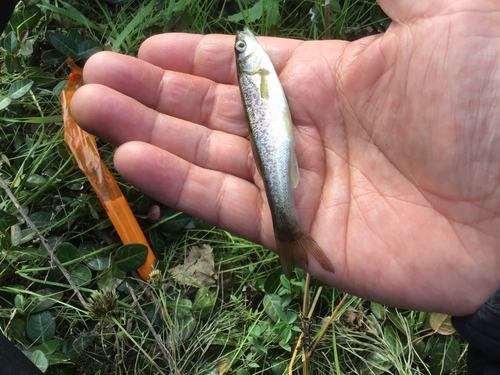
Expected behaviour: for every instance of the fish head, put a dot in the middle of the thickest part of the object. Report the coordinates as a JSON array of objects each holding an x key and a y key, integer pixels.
[{"x": 248, "y": 52}]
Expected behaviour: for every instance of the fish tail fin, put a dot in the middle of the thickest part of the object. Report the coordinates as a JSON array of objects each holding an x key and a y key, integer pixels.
[{"x": 294, "y": 252}]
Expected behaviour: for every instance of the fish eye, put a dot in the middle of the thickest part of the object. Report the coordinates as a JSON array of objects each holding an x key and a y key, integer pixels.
[{"x": 240, "y": 46}]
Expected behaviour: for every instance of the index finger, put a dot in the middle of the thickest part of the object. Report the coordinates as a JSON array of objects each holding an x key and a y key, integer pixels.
[{"x": 210, "y": 56}]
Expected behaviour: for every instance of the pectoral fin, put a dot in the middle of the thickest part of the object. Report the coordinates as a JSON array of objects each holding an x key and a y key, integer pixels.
[
  {"x": 294, "y": 171},
  {"x": 264, "y": 84}
]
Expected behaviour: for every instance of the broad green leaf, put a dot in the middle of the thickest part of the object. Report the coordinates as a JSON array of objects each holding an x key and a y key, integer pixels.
[
  {"x": 58, "y": 358},
  {"x": 20, "y": 302},
  {"x": 48, "y": 347},
  {"x": 272, "y": 12},
  {"x": 47, "y": 298},
  {"x": 75, "y": 35},
  {"x": 19, "y": 88},
  {"x": 269, "y": 8},
  {"x": 290, "y": 317},
  {"x": 286, "y": 300},
  {"x": 4, "y": 102},
  {"x": 445, "y": 355},
  {"x": 377, "y": 310},
  {"x": 278, "y": 366},
  {"x": 392, "y": 339},
  {"x": 285, "y": 282},
  {"x": 16, "y": 235},
  {"x": 419, "y": 347},
  {"x": 177, "y": 222},
  {"x": 182, "y": 304},
  {"x": 273, "y": 282},
  {"x": 87, "y": 48},
  {"x": 203, "y": 301},
  {"x": 26, "y": 18},
  {"x": 281, "y": 314},
  {"x": 10, "y": 43},
  {"x": 157, "y": 242},
  {"x": 12, "y": 64},
  {"x": 183, "y": 328},
  {"x": 41, "y": 327},
  {"x": 77, "y": 185},
  {"x": 6, "y": 220},
  {"x": 75, "y": 345},
  {"x": 67, "y": 252},
  {"x": 375, "y": 364},
  {"x": 131, "y": 256},
  {"x": 97, "y": 262},
  {"x": 106, "y": 281},
  {"x": 17, "y": 328},
  {"x": 81, "y": 275},
  {"x": 286, "y": 335},
  {"x": 27, "y": 48},
  {"x": 35, "y": 180},
  {"x": 252, "y": 14},
  {"x": 115, "y": 272},
  {"x": 202, "y": 225},
  {"x": 396, "y": 318},
  {"x": 40, "y": 360},
  {"x": 53, "y": 57},
  {"x": 272, "y": 305},
  {"x": 180, "y": 21},
  {"x": 27, "y": 235},
  {"x": 256, "y": 331},
  {"x": 242, "y": 372},
  {"x": 65, "y": 44},
  {"x": 285, "y": 346}
]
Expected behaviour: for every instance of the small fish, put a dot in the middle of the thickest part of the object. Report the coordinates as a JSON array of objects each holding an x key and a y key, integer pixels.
[{"x": 271, "y": 135}]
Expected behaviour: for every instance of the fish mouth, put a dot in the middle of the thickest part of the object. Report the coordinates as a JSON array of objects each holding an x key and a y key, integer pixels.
[{"x": 246, "y": 32}]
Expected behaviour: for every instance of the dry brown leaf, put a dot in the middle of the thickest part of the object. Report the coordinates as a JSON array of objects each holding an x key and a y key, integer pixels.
[
  {"x": 222, "y": 367},
  {"x": 198, "y": 270},
  {"x": 441, "y": 323}
]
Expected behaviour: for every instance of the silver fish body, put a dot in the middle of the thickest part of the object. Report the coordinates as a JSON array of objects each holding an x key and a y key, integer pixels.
[{"x": 271, "y": 135}]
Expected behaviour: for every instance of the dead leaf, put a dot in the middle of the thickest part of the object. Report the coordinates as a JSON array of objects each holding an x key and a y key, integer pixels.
[
  {"x": 198, "y": 270},
  {"x": 222, "y": 367},
  {"x": 441, "y": 323},
  {"x": 355, "y": 319}
]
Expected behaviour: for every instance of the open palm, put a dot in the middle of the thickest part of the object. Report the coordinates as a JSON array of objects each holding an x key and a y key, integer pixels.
[{"x": 397, "y": 140}]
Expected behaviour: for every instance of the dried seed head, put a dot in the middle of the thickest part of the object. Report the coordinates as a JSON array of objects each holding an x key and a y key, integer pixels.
[
  {"x": 156, "y": 277},
  {"x": 102, "y": 302}
]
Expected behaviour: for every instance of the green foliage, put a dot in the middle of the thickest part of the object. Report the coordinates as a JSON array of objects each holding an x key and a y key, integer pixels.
[
  {"x": 131, "y": 257},
  {"x": 444, "y": 352},
  {"x": 6, "y": 220},
  {"x": 41, "y": 327},
  {"x": 40, "y": 360}
]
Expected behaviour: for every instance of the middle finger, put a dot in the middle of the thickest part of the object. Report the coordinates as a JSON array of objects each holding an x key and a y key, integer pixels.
[{"x": 118, "y": 119}]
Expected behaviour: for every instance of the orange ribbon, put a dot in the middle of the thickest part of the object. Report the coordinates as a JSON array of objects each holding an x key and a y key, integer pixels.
[{"x": 84, "y": 148}]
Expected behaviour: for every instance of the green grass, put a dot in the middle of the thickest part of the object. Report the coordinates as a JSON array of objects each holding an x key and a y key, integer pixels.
[{"x": 248, "y": 322}]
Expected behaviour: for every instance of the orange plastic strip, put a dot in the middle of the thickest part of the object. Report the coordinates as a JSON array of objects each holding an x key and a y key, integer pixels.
[{"x": 84, "y": 148}]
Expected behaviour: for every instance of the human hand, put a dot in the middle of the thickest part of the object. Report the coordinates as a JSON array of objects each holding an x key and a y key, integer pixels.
[{"x": 397, "y": 141}]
